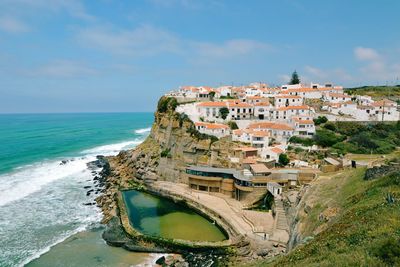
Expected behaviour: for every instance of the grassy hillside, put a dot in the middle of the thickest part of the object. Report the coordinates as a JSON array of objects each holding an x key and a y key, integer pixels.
[
  {"x": 345, "y": 137},
  {"x": 351, "y": 223},
  {"x": 377, "y": 92}
]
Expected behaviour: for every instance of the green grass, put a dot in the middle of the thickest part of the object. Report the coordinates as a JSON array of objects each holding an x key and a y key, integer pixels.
[
  {"x": 365, "y": 232},
  {"x": 377, "y": 92}
]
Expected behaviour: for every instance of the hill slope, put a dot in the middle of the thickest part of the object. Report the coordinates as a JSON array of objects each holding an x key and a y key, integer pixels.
[{"x": 349, "y": 222}]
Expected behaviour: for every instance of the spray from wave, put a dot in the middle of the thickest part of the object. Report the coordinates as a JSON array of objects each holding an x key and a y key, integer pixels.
[{"x": 143, "y": 131}]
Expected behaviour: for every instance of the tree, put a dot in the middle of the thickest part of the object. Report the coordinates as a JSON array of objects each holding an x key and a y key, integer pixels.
[
  {"x": 283, "y": 159},
  {"x": 320, "y": 120},
  {"x": 224, "y": 112},
  {"x": 295, "y": 78},
  {"x": 233, "y": 125},
  {"x": 211, "y": 95}
]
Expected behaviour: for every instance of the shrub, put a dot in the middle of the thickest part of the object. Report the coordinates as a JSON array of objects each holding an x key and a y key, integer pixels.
[
  {"x": 166, "y": 103},
  {"x": 283, "y": 159},
  {"x": 349, "y": 128},
  {"x": 326, "y": 138},
  {"x": 224, "y": 112},
  {"x": 301, "y": 140},
  {"x": 233, "y": 125},
  {"x": 388, "y": 251},
  {"x": 320, "y": 120},
  {"x": 330, "y": 126},
  {"x": 364, "y": 139},
  {"x": 298, "y": 150},
  {"x": 165, "y": 152}
]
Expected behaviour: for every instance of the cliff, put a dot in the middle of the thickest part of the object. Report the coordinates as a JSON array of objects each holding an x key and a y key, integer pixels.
[{"x": 173, "y": 144}]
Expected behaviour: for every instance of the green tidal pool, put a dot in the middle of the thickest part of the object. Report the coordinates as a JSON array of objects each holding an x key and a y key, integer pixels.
[{"x": 157, "y": 216}]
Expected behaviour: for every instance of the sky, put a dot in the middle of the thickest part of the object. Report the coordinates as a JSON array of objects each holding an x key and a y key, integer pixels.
[{"x": 120, "y": 56}]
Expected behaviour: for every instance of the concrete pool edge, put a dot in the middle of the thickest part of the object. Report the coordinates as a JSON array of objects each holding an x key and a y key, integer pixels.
[{"x": 178, "y": 245}]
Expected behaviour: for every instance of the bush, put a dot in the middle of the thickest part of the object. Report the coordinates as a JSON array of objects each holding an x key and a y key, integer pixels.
[
  {"x": 301, "y": 140},
  {"x": 346, "y": 147},
  {"x": 298, "y": 150},
  {"x": 320, "y": 120},
  {"x": 388, "y": 251},
  {"x": 326, "y": 138},
  {"x": 330, "y": 126},
  {"x": 224, "y": 112},
  {"x": 165, "y": 152},
  {"x": 283, "y": 159},
  {"x": 166, "y": 103},
  {"x": 349, "y": 128},
  {"x": 233, "y": 125}
]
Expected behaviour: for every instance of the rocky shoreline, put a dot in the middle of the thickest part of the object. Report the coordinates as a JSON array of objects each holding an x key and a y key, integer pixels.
[{"x": 108, "y": 182}]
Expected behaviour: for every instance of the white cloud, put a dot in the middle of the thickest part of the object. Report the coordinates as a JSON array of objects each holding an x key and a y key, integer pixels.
[
  {"x": 319, "y": 75},
  {"x": 74, "y": 8},
  {"x": 230, "y": 48},
  {"x": 365, "y": 53},
  {"x": 12, "y": 25},
  {"x": 142, "y": 41},
  {"x": 16, "y": 15},
  {"x": 316, "y": 72},
  {"x": 377, "y": 66},
  {"x": 63, "y": 69}
]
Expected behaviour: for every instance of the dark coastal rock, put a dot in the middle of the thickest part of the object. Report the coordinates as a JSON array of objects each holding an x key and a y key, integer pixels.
[
  {"x": 87, "y": 186},
  {"x": 63, "y": 162},
  {"x": 131, "y": 245},
  {"x": 160, "y": 261},
  {"x": 377, "y": 172},
  {"x": 114, "y": 234}
]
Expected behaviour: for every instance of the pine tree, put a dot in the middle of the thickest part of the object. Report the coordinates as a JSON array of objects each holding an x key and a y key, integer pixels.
[{"x": 295, "y": 78}]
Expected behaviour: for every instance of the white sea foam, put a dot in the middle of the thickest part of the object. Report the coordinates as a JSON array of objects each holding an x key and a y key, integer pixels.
[
  {"x": 113, "y": 149},
  {"x": 43, "y": 203},
  {"x": 24, "y": 182},
  {"x": 143, "y": 131}
]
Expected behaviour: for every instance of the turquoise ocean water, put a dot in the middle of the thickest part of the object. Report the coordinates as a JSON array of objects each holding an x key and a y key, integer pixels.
[{"x": 41, "y": 201}]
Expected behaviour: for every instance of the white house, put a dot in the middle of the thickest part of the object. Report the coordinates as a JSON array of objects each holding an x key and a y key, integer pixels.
[
  {"x": 311, "y": 93},
  {"x": 303, "y": 126},
  {"x": 285, "y": 113},
  {"x": 288, "y": 100},
  {"x": 336, "y": 97},
  {"x": 279, "y": 131},
  {"x": 240, "y": 110},
  {"x": 216, "y": 129},
  {"x": 272, "y": 153},
  {"x": 259, "y": 139},
  {"x": 210, "y": 110},
  {"x": 385, "y": 110},
  {"x": 263, "y": 110},
  {"x": 225, "y": 91},
  {"x": 253, "y": 91}
]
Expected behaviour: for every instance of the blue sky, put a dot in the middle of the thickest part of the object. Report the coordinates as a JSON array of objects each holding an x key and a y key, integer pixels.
[{"x": 111, "y": 56}]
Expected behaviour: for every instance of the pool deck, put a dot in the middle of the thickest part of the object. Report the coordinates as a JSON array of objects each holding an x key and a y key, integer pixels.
[{"x": 254, "y": 225}]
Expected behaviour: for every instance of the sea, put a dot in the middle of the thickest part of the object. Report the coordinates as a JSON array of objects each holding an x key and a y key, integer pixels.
[{"x": 42, "y": 209}]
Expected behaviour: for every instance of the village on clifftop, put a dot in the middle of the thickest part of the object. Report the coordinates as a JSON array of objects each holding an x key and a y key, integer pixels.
[{"x": 265, "y": 119}]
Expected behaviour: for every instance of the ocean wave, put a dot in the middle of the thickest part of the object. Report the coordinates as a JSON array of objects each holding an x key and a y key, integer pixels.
[
  {"x": 143, "y": 131},
  {"x": 31, "y": 178},
  {"x": 112, "y": 149},
  {"x": 28, "y": 180}
]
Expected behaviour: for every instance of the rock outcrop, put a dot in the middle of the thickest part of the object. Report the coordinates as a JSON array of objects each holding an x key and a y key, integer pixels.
[{"x": 173, "y": 144}]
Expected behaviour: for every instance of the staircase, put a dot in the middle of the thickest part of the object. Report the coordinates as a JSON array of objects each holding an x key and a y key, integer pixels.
[{"x": 280, "y": 215}]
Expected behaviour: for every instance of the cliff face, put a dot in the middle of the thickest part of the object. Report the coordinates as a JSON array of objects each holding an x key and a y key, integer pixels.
[{"x": 172, "y": 145}]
